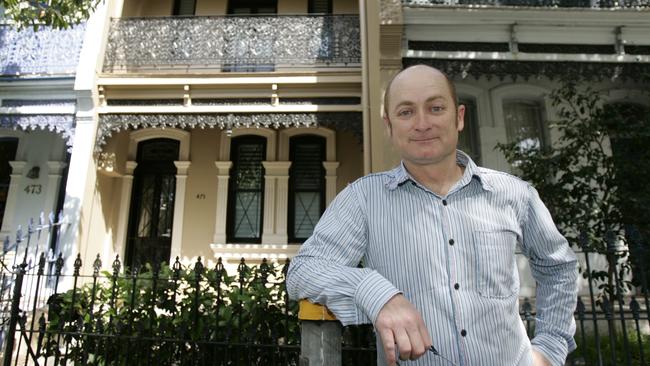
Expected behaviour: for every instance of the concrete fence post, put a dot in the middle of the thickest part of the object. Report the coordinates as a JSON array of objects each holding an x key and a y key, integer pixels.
[{"x": 321, "y": 335}]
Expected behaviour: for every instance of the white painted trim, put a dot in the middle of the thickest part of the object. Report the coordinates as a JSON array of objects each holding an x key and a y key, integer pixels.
[
  {"x": 269, "y": 134},
  {"x": 124, "y": 209},
  {"x": 532, "y": 15},
  {"x": 179, "y": 209},
  {"x": 353, "y": 76},
  {"x": 523, "y": 56},
  {"x": 138, "y": 136},
  {"x": 244, "y": 108}
]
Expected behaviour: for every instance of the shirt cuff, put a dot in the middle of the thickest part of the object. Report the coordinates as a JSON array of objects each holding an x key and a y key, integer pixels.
[
  {"x": 554, "y": 349},
  {"x": 373, "y": 293}
]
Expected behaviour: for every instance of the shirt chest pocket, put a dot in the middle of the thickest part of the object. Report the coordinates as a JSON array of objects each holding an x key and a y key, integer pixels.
[{"x": 496, "y": 271}]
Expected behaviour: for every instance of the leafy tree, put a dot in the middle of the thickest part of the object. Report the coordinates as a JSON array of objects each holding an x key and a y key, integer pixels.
[
  {"x": 593, "y": 178},
  {"x": 56, "y": 13}
]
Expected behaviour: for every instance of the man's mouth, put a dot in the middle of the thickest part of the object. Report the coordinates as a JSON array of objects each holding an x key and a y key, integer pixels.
[{"x": 423, "y": 139}]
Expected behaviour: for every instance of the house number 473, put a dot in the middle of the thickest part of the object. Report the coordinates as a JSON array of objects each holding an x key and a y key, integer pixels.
[{"x": 33, "y": 189}]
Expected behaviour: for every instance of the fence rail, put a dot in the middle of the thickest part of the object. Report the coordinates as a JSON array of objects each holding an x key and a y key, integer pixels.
[{"x": 195, "y": 315}]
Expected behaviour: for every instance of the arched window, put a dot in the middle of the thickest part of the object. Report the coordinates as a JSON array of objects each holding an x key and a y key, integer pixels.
[
  {"x": 246, "y": 190},
  {"x": 524, "y": 123},
  {"x": 8, "y": 147},
  {"x": 306, "y": 185},
  {"x": 152, "y": 203}
]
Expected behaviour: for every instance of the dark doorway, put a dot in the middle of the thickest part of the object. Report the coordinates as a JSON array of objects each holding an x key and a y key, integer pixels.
[
  {"x": 8, "y": 147},
  {"x": 151, "y": 215}
]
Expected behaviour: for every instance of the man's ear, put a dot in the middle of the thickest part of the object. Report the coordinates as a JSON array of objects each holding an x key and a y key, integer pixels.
[
  {"x": 387, "y": 125},
  {"x": 460, "y": 118}
]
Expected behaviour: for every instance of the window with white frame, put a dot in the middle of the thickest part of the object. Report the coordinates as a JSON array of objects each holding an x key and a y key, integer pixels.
[
  {"x": 306, "y": 185},
  {"x": 246, "y": 196},
  {"x": 524, "y": 123}
]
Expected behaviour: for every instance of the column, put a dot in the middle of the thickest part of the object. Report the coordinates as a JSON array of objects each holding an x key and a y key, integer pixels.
[
  {"x": 179, "y": 208},
  {"x": 330, "y": 180},
  {"x": 16, "y": 181},
  {"x": 124, "y": 209},
  {"x": 276, "y": 189},
  {"x": 54, "y": 170},
  {"x": 223, "y": 174}
]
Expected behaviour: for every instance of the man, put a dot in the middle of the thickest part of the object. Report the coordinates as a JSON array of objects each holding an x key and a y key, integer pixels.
[{"x": 437, "y": 236}]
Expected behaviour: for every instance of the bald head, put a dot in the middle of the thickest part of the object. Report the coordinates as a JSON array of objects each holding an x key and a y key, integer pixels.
[{"x": 425, "y": 69}]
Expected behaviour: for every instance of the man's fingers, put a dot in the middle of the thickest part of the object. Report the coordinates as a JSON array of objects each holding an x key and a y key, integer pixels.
[
  {"x": 417, "y": 343},
  {"x": 388, "y": 342},
  {"x": 424, "y": 333},
  {"x": 403, "y": 344}
]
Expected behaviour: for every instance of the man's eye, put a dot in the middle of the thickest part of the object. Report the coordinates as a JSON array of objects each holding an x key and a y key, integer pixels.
[
  {"x": 404, "y": 113},
  {"x": 437, "y": 108}
]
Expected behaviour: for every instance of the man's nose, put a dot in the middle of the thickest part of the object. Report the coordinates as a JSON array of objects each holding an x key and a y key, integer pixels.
[{"x": 421, "y": 122}]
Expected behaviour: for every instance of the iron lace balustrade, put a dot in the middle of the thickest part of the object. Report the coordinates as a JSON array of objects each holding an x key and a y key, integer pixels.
[
  {"x": 232, "y": 43},
  {"x": 605, "y": 4},
  {"x": 36, "y": 53}
]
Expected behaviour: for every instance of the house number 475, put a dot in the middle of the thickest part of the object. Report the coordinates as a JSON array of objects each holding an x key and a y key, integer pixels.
[{"x": 33, "y": 189}]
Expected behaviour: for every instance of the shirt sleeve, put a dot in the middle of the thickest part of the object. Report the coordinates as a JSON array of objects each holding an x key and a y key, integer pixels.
[
  {"x": 325, "y": 269},
  {"x": 553, "y": 265}
]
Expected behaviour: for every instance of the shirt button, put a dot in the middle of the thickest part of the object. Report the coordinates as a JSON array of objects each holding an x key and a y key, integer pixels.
[
  {"x": 456, "y": 286},
  {"x": 413, "y": 183},
  {"x": 451, "y": 241},
  {"x": 444, "y": 202},
  {"x": 463, "y": 332}
]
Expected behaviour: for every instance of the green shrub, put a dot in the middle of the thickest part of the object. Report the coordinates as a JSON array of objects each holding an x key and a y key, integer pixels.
[{"x": 175, "y": 315}]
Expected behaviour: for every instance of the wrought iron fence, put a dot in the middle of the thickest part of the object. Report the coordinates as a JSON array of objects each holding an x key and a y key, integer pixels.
[
  {"x": 605, "y": 4},
  {"x": 232, "y": 43},
  {"x": 175, "y": 315}
]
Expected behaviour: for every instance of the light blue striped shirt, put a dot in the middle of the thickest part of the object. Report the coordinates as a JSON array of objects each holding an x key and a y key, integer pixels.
[{"x": 453, "y": 257}]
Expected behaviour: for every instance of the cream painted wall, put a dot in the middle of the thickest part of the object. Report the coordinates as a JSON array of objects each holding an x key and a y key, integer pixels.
[
  {"x": 147, "y": 8},
  {"x": 349, "y": 153},
  {"x": 292, "y": 6},
  {"x": 211, "y": 7},
  {"x": 35, "y": 149},
  {"x": 345, "y": 7},
  {"x": 200, "y": 195},
  {"x": 101, "y": 228}
]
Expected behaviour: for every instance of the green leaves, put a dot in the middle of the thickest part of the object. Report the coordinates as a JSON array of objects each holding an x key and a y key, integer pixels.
[
  {"x": 174, "y": 315},
  {"x": 58, "y": 14}
]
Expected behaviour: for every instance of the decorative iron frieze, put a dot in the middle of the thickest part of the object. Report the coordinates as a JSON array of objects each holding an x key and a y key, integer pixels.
[
  {"x": 63, "y": 124},
  {"x": 138, "y": 44},
  {"x": 502, "y": 70},
  {"x": 340, "y": 121},
  {"x": 46, "y": 51},
  {"x": 535, "y": 3}
]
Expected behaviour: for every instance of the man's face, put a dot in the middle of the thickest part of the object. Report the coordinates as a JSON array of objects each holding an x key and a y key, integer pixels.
[{"x": 423, "y": 121}]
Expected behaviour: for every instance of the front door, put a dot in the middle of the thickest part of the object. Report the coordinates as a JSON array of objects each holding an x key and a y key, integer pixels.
[{"x": 152, "y": 203}]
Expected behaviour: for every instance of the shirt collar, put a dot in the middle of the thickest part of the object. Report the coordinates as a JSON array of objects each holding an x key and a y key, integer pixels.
[{"x": 399, "y": 175}]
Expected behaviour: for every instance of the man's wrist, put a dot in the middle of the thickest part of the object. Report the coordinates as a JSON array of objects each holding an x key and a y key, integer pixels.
[{"x": 373, "y": 293}]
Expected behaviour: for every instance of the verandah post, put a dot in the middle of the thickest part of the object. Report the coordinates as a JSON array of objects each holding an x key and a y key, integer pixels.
[{"x": 321, "y": 334}]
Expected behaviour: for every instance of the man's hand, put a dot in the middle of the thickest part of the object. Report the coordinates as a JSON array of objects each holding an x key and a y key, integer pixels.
[
  {"x": 400, "y": 324},
  {"x": 539, "y": 359}
]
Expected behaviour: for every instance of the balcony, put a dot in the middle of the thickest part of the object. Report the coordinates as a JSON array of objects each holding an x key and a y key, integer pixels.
[
  {"x": 43, "y": 53},
  {"x": 232, "y": 43},
  {"x": 604, "y": 4}
]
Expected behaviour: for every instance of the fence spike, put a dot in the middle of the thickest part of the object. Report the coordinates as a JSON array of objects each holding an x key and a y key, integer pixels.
[
  {"x": 580, "y": 308},
  {"x": 219, "y": 267},
  {"x": 5, "y": 244},
  {"x": 41, "y": 219},
  {"x": 177, "y": 265},
  {"x": 41, "y": 264},
  {"x": 50, "y": 219},
  {"x": 116, "y": 265},
  {"x": 198, "y": 269},
  {"x": 58, "y": 265},
  {"x": 285, "y": 268},
  {"x": 77, "y": 265},
  {"x": 19, "y": 234},
  {"x": 97, "y": 265}
]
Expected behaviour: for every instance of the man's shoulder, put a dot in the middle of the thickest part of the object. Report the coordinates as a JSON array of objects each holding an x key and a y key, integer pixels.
[
  {"x": 379, "y": 178},
  {"x": 502, "y": 181}
]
